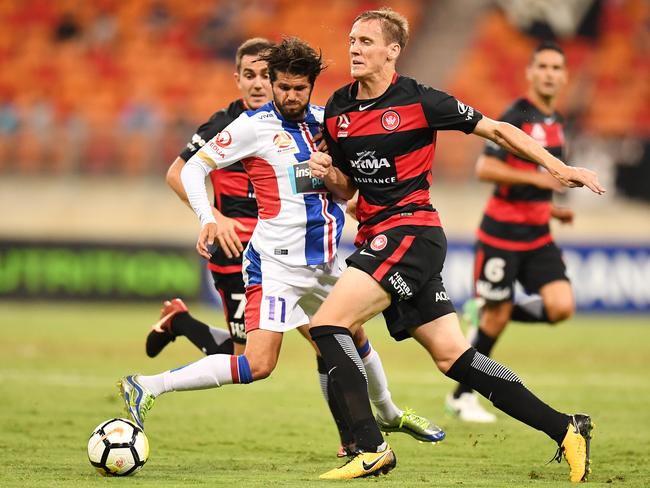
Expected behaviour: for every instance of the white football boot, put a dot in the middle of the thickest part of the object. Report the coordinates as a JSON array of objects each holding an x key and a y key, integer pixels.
[{"x": 468, "y": 409}]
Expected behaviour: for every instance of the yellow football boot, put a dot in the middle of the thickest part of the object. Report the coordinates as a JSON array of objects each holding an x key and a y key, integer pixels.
[
  {"x": 575, "y": 447},
  {"x": 364, "y": 464}
]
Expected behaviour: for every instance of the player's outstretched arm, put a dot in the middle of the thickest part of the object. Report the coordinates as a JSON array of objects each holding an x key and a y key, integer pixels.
[
  {"x": 335, "y": 180},
  {"x": 516, "y": 141},
  {"x": 493, "y": 170}
]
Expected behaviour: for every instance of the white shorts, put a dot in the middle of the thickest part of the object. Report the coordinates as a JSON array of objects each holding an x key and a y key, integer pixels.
[{"x": 280, "y": 297}]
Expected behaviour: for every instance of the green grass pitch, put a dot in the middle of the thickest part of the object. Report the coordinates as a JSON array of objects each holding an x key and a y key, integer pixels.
[{"x": 59, "y": 364}]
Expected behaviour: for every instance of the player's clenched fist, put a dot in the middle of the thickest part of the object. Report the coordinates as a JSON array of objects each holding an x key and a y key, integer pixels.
[
  {"x": 206, "y": 239},
  {"x": 320, "y": 164}
]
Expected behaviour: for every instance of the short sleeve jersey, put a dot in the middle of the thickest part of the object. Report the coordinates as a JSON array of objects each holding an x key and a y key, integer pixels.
[
  {"x": 387, "y": 144},
  {"x": 233, "y": 191},
  {"x": 516, "y": 217},
  {"x": 300, "y": 222}
]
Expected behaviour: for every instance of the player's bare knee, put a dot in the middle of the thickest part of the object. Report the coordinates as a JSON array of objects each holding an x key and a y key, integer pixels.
[
  {"x": 261, "y": 365},
  {"x": 261, "y": 369},
  {"x": 560, "y": 312},
  {"x": 495, "y": 319},
  {"x": 446, "y": 358},
  {"x": 360, "y": 338},
  {"x": 443, "y": 365}
]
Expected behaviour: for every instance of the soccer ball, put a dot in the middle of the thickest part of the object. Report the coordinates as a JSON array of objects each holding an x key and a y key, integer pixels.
[{"x": 118, "y": 447}]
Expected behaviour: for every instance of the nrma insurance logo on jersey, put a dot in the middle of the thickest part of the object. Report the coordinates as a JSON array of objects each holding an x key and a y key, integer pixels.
[
  {"x": 302, "y": 180},
  {"x": 369, "y": 164}
]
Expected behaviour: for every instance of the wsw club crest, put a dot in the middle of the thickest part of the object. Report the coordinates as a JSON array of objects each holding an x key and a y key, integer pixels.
[
  {"x": 378, "y": 243},
  {"x": 390, "y": 120}
]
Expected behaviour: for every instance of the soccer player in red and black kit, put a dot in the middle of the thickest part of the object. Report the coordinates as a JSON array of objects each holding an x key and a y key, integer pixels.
[
  {"x": 514, "y": 239},
  {"x": 381, "y": 133}
]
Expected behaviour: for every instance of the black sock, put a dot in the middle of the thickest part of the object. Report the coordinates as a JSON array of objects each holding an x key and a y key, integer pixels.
[
  {"x": 483, "y": 343},
  {"x": 345, "y": 433},
  {"x": 530, "y": 310},
  {"x": 208, "y": 339},
  {"x": 349, "y": 383},
  {"x": 506, "y": 392}
]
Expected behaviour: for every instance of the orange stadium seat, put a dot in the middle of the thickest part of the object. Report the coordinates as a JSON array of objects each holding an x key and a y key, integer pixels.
[
  {"x": 157, "y": 48},
  {"x": 160, "y": 57},
  {"x": 615, "y": 69},
  {"x": 499, "y": 53}
]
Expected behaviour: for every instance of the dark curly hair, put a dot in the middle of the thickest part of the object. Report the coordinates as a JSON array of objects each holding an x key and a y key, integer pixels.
[{"x": 295, "y": 57}]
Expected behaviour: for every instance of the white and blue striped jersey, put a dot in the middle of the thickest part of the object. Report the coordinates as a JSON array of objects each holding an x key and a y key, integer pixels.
[{"x": 300, "y": 222}]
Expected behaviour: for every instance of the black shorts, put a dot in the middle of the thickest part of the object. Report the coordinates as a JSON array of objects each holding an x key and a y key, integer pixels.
[
  {"x": 496, "y": 270},
  {"x": 407, "y": 261},
  {"x": 231, "y": 289}
]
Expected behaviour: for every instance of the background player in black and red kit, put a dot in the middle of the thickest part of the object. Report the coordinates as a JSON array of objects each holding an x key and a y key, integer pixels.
[
  {"x": 514, "y": 239},
  {"x": 235, "y": 210},
  {"x": 381, "y": 133}
]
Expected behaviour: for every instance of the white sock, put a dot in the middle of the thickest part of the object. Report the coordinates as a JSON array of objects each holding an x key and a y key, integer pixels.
[
  {"x": 378, "y": 388},
  {"x": 533, "y": 304},
  {"x": 208, "y": 372}
]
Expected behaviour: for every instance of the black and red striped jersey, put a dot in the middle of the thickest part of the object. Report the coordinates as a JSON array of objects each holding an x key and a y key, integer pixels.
[
  {"x": 233, "y": 191},
  {"x": 386, "y": 145},
  {"x": 516, "y": 217}
]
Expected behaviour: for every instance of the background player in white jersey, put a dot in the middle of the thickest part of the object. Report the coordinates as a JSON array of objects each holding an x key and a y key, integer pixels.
[{"x": 290, "y": 263}]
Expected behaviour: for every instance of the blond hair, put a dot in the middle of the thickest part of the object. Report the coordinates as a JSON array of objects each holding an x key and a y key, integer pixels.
[{"x": 394, "y": 26}]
